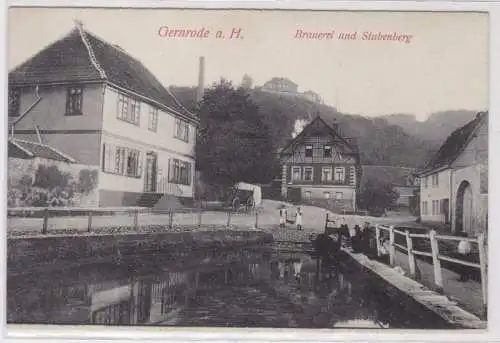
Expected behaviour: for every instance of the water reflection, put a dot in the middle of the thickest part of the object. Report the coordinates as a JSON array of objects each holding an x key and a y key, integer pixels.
[{"x": 246, "y": 288}]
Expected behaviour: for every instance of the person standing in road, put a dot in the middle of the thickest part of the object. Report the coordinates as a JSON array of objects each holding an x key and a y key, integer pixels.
[
  {"x": 298, "y": 219},
  {"x": 283, "y": 214}
]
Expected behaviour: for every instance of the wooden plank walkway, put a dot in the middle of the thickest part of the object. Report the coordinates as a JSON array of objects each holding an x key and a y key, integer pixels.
[{"x": 439, "y": 304}]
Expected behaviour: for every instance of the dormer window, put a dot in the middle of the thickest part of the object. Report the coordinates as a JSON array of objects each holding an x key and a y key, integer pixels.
[
  {"x": 74, "y": 100},
  {"x": 14, "y": 102}
]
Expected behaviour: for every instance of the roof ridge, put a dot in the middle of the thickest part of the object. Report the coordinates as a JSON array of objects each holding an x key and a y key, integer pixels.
[{"x": 90, "y": 51}]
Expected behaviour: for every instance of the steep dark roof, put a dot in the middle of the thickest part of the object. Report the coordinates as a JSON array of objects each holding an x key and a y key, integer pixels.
[
  {"x": 69, "y": 60},
  {"x": 455, "y": 144},
  {"x": 351, "y": 143},
  {"x": 33, "y": 149}
]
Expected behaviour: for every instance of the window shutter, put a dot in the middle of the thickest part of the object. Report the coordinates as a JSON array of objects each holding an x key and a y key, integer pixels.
[
  {"x": 188, "y": 166},
  {"x": 104, "y": 155},
  {"x": 139, "y": 163},
  {"x": 170, "y": 173}
]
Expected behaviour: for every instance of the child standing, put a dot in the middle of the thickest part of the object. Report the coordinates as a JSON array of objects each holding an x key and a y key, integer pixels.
[
  {"x": 283, "y": 214},
  {"x": 298, "y": 219}
]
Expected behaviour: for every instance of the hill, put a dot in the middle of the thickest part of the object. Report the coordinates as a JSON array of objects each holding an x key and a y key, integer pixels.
[
  {"x": 436, "y": 127},
  {"x": 380, "y": 142}
]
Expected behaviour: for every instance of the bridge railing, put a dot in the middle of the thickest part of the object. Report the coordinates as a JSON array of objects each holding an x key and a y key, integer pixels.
[
  {"x": 405, "y": 241},
  {"x": 58, "y": 220}
]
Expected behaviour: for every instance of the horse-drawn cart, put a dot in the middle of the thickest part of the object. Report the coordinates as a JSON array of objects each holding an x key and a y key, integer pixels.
[{"x": 245, "y": 195}]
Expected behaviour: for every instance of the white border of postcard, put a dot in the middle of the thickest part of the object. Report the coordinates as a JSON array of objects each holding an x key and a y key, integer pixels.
[{"x": 27, "y": 333}]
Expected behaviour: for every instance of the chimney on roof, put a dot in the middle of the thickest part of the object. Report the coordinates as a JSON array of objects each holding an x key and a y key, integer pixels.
[
  {"x": 78, "y": 24},
  {"x": 335, "y": 125},
  {"x": 201, "y": 80}
]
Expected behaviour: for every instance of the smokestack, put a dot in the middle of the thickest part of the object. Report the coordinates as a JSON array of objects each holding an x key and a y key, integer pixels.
[{"x": 201, "y": 80}]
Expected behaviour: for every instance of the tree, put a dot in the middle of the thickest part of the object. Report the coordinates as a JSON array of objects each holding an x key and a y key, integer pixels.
[
  {"x": 377, "y": 196},
  {"x": 233, "y": 143},
  {"x": 246, "y": 82}
]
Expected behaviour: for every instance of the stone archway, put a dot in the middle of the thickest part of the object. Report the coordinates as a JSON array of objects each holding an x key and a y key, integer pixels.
[{"x": 463, "y": 212}]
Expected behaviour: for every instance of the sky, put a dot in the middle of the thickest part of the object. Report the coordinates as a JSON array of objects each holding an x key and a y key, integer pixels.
[{"x": 444, "y": 67}]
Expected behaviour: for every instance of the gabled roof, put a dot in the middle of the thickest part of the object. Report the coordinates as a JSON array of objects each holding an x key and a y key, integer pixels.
[
  {"x": 350, "y": 143},
  {"x": 33, "y": 149},
  {"x": 455, "y": 144},
  {"x": 83, "y": 57}
]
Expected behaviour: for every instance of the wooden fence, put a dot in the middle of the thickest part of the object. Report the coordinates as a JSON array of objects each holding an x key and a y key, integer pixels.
[
  {"x": 435, "y": 254},
  {"x": 134, "y": 218}
]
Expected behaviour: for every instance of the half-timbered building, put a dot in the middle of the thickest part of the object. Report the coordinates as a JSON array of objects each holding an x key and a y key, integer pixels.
[{"x": 321, "y": 167}]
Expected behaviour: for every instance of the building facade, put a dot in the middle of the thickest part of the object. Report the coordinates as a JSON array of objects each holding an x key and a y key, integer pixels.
[
  {"x": 322, "y": 166},
  {"x": 97, "y": 104},
  {"x": 454, "y": 185}
]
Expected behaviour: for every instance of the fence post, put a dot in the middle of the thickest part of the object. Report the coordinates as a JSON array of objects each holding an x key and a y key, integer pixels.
[
  {"x": 436, "y": 263},
  {"x": 326, "y": 222},
  {"x": 229, "y": 219},
  {"x": 170, "y": 218},
  {"x": 256, "y": 219},
  {"x": 377, "y": 237},
  {"x": 89, "y": 225},
  {"x": 482, "y": 263},
  {"x": 392, "y": 250},
  {"x": 136, "y": 219},
  {"x": 199, "y": 217},
  {"x": 45, "y": 221},
  {"x": 411, "y": 257}
]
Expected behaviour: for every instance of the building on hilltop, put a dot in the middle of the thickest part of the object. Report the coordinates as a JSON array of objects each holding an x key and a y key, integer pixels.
[
  {"x": 96, "y": 104},
  {"x": 320, "y": 166},
  {"x": 281, "y": 85},
  {"x": 454, "y": 184}
]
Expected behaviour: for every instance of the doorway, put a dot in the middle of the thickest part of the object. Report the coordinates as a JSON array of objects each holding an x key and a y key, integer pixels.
[
  {"x": 151, "y": 172},
  {"x": 464, "y": 214}
]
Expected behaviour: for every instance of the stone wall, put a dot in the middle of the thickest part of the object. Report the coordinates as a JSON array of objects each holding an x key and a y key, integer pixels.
[{"x": 30, "y": 254}]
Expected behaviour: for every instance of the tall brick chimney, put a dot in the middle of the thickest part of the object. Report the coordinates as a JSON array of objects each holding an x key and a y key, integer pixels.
[{"x": 201, "y": 80}]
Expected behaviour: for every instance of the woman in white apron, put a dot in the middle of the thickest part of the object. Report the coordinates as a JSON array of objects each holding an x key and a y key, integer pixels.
[{"x": 298, "y": 219}]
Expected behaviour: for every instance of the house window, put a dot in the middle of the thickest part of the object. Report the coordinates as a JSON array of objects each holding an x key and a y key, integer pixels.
[
  {"x": 74, "y": 101},
  {"x": 14, "y": 102},
  {"x": 128, "y": 109},
  {"x": 121, "y": 161},
  {"x": 326, "y": 174},
  {"x": 153, "y": 119},
  {"x": 180, "y": 172},
  {"x": 308, "y": 173},
  {"x": 435, "y": 207},
  {"x": 181, "y": 130},
  {"x": 339, "y": 174},
  {"x": 296, "y": 173},
  {"x": 326, "y": 195},
  {"x": 309, "y": 151},
  {"x": 435, "y": 180},
  {"x": 338, "y": 195},
  {"x": 424, "y": 208},
  {"x": 327, "y": 151},
  {"x": 307, "y": 195}
]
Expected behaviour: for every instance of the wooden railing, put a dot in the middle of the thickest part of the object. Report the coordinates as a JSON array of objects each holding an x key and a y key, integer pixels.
[
  {"x": 134, "y": 218},
  {"x": 435, "y": 254}
]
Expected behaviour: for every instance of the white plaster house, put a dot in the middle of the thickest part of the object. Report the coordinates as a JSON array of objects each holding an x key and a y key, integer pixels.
[{"x": 454, "y": 185}]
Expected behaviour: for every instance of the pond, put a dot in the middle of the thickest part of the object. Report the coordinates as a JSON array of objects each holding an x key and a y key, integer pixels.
[{"x": 251, "y": 287}]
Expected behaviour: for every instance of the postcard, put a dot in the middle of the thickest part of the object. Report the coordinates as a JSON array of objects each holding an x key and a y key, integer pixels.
[{"x": 243, "y": 168}]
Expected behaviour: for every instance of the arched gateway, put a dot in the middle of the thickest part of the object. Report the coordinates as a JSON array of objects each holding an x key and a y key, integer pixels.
[{"x": 463, "y": 213}]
